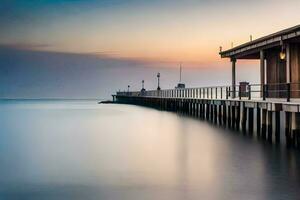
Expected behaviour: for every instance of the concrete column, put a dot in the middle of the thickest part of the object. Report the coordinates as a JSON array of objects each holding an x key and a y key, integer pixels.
[
  {"x": 244, "y": 118},
  {"x": 233, "y": 118},
  {"x": 238, "y": 116},
  {"x": 263, "y": 123},
  {"x": 277, "y": 127},
  {"x": 296, "y": 131},
  {"x": 295, "y": 139},
  {"x": 203, "y": 110},
  {"x": 233, "y": 61},
  {"x": 215, "y": 114},
  {"x": 220, "y": 114},
  {"x": 207, "y": 111},
  {"x": 269, "y": 125},
  {"x": 258, "y": 122},
  {"x": 224, "y": 114},
  {"x": 262, "y": 70},
  {"x": 288, "y": 134},
  {"x": 211, "y": 112},
  {"x": 229, "y": 116},
  {"x": 250, "y": 120},
  {"x": 200, "y": 110}
]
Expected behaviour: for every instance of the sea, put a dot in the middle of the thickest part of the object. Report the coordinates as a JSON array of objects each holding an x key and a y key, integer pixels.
[{"x": 82, "y": 150}]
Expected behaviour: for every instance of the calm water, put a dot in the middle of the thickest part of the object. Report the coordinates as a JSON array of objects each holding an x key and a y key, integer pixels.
[{"x": 82, "y": 150}]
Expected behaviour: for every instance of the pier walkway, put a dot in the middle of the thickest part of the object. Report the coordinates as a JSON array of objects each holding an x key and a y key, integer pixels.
[{"x": 249, "y": 109}]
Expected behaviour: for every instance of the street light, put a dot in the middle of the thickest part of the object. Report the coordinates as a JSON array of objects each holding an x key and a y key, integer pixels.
[
  {"x": 143, "y": 89},
  {"x": 128, "y": 88},
  {"x": 158, "y": 76}
]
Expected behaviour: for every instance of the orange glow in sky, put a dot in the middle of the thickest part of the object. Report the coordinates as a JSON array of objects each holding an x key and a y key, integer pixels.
[{"x": 168, "y": 31}]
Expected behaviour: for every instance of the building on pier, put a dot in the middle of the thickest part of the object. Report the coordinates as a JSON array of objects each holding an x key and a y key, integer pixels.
[{"x": 279, "y": 56}]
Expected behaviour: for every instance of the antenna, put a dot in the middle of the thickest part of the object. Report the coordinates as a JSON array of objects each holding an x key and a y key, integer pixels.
[{"x": 180, "y": 73}]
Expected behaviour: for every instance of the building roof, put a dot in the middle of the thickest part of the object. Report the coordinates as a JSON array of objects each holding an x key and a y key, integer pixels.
[{"x": 253, "y": 47}]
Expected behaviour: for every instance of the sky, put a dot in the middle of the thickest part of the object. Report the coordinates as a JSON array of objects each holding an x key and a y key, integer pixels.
[{"x": 91, "y": 48}]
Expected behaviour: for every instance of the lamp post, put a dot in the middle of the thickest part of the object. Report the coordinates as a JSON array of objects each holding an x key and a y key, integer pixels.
[
  {"x": 128, "y": 88},
  {"x": 158, "y": 76},
  {"x": 143, "y": 84}
]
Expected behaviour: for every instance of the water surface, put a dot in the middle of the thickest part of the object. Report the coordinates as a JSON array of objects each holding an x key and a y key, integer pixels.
[{"x": 82, "y": 150}]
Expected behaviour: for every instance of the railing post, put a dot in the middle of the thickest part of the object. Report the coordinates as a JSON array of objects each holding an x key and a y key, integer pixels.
[
  {"x": 211, "y": 93},
  {"x": 221, "y": 92},
  {"x": 216, "y": 92},
  {"x": 200, "y": 93},
  {"x": 207, "y": 93},
  {"x": 249, "y": 92},
  {"x": 226, "y": 92},
  {"x": 240, "y": 93},
  {"x": 288, "y": 92}
]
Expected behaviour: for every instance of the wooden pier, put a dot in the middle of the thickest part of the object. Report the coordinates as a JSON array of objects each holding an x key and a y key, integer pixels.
[{"x": 270, "y": 109}]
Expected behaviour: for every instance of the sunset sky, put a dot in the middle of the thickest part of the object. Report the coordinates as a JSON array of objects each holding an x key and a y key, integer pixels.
[{"x": 132, "y": 36}]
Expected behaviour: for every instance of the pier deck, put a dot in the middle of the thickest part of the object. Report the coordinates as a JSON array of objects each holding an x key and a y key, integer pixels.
[{"x": 250, "y": 111}]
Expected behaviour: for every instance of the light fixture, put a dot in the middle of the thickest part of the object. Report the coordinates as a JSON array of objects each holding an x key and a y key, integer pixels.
[{"x": 282, "y": 55}]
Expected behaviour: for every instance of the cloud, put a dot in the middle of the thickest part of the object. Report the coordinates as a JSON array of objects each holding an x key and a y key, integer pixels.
[
  {"x": 25, "y": 46},
  {"x": 105, "y": 55}
]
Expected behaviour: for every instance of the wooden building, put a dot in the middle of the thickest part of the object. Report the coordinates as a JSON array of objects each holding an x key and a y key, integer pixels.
[{"x": 279, "y": 55}]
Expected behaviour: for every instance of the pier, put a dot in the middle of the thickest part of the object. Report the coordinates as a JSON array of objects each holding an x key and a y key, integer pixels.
[{"x": 269, "y": 109}]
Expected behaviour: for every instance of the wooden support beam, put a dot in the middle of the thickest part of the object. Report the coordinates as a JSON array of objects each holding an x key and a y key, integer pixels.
[
  {"x": 233, "y": 73},
  {"x": 262, "y": 71},
  {"x": 288, "y": 63}
]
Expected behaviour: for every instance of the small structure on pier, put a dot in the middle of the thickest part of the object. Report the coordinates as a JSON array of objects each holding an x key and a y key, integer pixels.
[
  {"x": 143, "y": 90},
  {"x": 279, "y": 56},
  {"x": 158, "y": 77},
  {"x": 180, "y": 84}
]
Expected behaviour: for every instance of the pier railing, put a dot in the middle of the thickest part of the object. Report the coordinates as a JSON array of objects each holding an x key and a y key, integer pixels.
[{"x": 283, "y": 91}]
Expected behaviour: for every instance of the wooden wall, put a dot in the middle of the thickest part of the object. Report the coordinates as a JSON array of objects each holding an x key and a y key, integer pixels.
[
  {"x": 295, "y": 69},
  {"x": 276, "y": 73}
]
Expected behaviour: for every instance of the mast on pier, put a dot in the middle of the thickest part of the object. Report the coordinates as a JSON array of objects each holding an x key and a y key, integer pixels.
[{"x": 180, "y": 84}]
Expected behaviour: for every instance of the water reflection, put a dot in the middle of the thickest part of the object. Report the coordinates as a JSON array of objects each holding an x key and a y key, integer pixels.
[{"x": 81, "y": 150}]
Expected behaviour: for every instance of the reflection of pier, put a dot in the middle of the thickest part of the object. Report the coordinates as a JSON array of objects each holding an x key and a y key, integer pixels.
[{"x": 235, "y": 105}]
